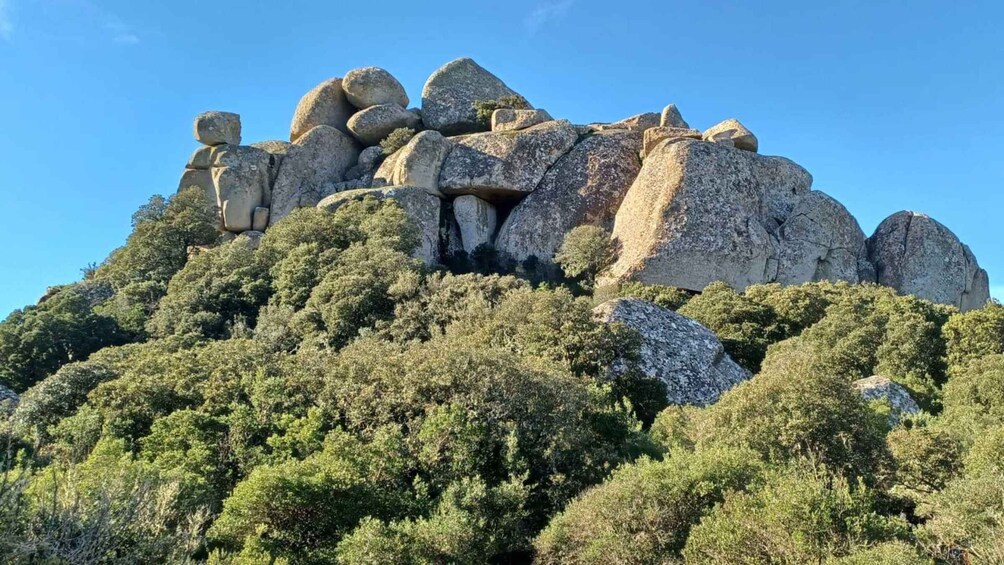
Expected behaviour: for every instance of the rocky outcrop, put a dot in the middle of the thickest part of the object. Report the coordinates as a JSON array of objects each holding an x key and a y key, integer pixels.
[
  {"x": 880, "y": 388},
  {"x": 916, "y": 255},
  {"x": 373, "y": 124},
  {"x": 277, "y": 151},
  {"x": 218, "y": 128},
  {"x": 476, "y": 220},
  {"x": 820, "y": 241},
  {"x": 241, "y": 177},
  {"x": 671, "y": 118},
  {"x": 325, "y": 105},
  {"x": 734, "y": 132},
  {"x": 702, "y": 212},
  {"x": 655, "y": 136},
  {"x": 416, "y": 164},
  {"x": 586, "y": 186},
  {"x": 504, "y": 165},
  {"x": 313, "y": 164},
  {"x": 422, "y": 207},
  {"x": 449, "y": 95},
  {"x": 680, "y": 352},
  {"x": 508, "y": 119},
  {"x": 373, "y": 86}
]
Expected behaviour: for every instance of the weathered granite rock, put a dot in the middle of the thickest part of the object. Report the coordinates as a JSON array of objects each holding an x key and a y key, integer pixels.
[
  {"x": 373, "y": 86},
  {"x": 917, "y": 255},
  {"x": 202, "y": 158},
  {"x": 277, "y": 150},
  {"x": 325, "y": 105},
  {"x": 821, "y": 240},
  {"x": 201, "y": 178},
  {"x": 373, "y": 124},
  {"x": 314, "y": 162},
  {"x": 676, "y": 350},
  {"x": 639, "y": 122},
  {"x": 477, "y": 220},
  {"x": 504, "y": 165},
  {"x": 251, "y": 238},
  {"x": 586, "y": 186},
  {"x": 655, "y": 136},
  {"x": 881, "y": 388},
  {"x": 218, "y": 128},
  {"x": 416, "y": 164},
  {"x": 508, "y": 119},
  {"x": 8, "y": 401},
  {"x": 701, "y": 212},
  {"x": 259, "y": 220},
  {"x": 449, "y": 95},
  {"x": 671, "y": 118},
  {"x": 369, "y": 160},
  {"x": 422, "y": 207},
  {"x": 733, "y": 131},
  {"x": 241, "y": 176}
]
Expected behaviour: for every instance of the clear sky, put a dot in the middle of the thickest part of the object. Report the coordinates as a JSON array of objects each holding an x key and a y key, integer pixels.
[{"x": 890, "y": 105}]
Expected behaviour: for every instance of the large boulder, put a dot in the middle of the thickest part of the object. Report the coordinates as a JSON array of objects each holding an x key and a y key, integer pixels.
[
  {"x": 373, "y": 86},
  {"x": 508, "y": 119},
  {"x": 201, "y": 178},
  {"x": 655, "y": 136},
  {"x": 586, "y": 186},
  {"x": 449, "y": 95},
  {"x": 422, "y": 207},
  {"x": 416, "y": 164},
  {"x": 703, "y": 212},
  {"x": 680, "y": 352},
  {"x": 373, "y": 124},
  {"x": 821, "y": 240},
  {"x": 241, "y": 177},
  {"x": 324, "y": 105},
  {"x": 476, "y": 220},
  {"x": 732, "y": 132},
  {"x": 218, "y": 128},
  {"x": 880, "y": 388},
  {"x": 314, "y": 162},
  {"x": 505, "y": 165},
  {"x": 671, "y": 118},
  {"x": 277, "y": 150},
  {"x": 916, "y": 255}
]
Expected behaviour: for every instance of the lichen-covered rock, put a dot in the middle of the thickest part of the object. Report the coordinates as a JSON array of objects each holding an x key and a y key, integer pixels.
[
  {"x": 324, "y": 105},
  {"x": 369, "y": 160},
  {"x": 423, "y": 208},
  {"x": 917, "y": 255},
  {"x": 508, "y": 119},
  {"x": 586, "y": 186},
  {"x": 881, "y": 388},
  {"x": 373, "y": 86},
  {"x": 671, "y": 118},
  {"x": 241, "y": 177},
  {"x": 416, "y": 164},
  {"x": 277, "y": 150},
  {"x": 373, "y": 124},
  {"x": 501, "y": 165},
  {"x": 476, "y": 219},
  {"x": 218, "y": 128},
  {"x": 821, "y": 240},
  {"x": 655, "y": 136},
  {"x": 449, "y": 95},
  {"x": 701, "y": 212},
  {"x": 734, "y": 132},
  {"x": 315, "y": 162},
  {"x": 676, "y": 350}
]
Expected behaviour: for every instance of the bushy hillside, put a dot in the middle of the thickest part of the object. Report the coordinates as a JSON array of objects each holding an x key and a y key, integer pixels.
[{"x": 318, "y": 395}]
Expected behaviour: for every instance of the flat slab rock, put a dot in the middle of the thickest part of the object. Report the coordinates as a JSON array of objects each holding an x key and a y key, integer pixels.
[
  {"x": 504, "y": 165},
  {"x": 676, "y": 350}
]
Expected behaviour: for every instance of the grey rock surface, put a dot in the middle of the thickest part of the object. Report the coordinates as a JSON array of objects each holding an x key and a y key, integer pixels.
[
  {"x": 416, "y": 164},
  {"x": 639, "y": 122},
  {"x": 314, "y": 162},
  {"x": 476, "y": 219},
  {"x": 369, "y": 160},
  {"x": 259, "y": 219},
  {"x": 218, "y": 128},
  {"x": 241, "y": 176},
  {"x": 586, "y": 186},
  {"x": 917, "y": 255},
  {"x": 676, "y": 350},
  {"x": 201, "y": 178},
  {"x": 8, "y": 401},
  {"x": 277, "y": 149},
  {"x": 881, "y": 388},
  {"x": 734, "y": 132},
  {"x": 655, "y": 136},
  {"x": 701, "y": 212},
  {"x": 324, "y": 105},
  {"x": 501, "y": 165},
  {"x": 508, "y": 119},
  {"x": 372, "y": 125},
  {"x": 372, "y": 86},
  {"x": 449, "y": 95},
  {"x": 423, "y": 208}
]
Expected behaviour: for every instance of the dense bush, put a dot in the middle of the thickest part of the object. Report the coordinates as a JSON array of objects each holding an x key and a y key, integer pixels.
[
  {"x": 584, "y": 252},
  {"x": 396, "y": 140},
  {"x": 484, "y": 109},
  {"x": 975, "y": 334}
]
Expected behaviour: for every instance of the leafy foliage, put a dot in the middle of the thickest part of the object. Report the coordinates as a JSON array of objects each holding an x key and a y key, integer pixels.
[
  {"x": 584, "y": 252},
  {"x": 396, "y": 140},
  {"x": 484, "y": 109}
]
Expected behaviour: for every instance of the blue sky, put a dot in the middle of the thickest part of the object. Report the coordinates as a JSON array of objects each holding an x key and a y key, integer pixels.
[{"x": 891, "y": 105}]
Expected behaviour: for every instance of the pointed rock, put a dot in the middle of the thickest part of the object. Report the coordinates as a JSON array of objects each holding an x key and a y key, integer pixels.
[
  {"x": 671, "y": 118},
  {"x": 449, "y": 95},
  {"x": 734, "y": 132}
]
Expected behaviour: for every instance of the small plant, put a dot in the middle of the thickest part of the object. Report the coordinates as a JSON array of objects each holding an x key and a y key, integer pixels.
[
  {"x": 396, "y": 140},
  {"x": 585, "y": 252},
  {"x": 485, "y": 108}
]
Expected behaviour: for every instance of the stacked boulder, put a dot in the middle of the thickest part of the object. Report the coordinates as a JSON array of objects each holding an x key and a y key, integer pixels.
[{"x": 686, "y": 207}]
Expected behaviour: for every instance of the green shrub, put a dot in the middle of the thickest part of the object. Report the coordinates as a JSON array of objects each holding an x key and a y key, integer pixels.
[
  {"x": 974, "y": 334},
  {"x": 974, "y": 397},
  {"x": 925, "y": 459},
  {"x": 396, "y": 140},
  {"x": 484, "y": 109},
  {"x": 668, "y": 297},
  {"x": 584, "y": 252}
]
